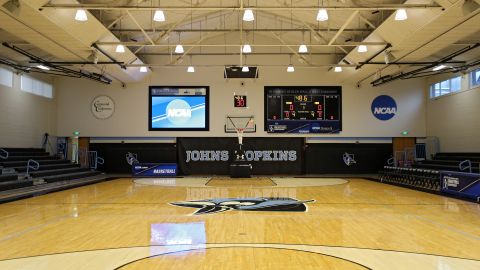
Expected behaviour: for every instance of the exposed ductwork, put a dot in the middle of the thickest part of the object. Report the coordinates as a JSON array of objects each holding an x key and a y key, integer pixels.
[
  {"x": 50, "y": 68},
  {"x": 425, "y": 71}
]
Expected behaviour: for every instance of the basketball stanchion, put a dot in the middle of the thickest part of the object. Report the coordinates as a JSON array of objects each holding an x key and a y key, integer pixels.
[{"x": 240, "y": 167}]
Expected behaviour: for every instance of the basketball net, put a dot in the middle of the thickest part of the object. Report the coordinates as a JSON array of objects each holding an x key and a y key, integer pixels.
[
  {"x": 240, "y": 131},
  {"x": 240, "y": 135}
]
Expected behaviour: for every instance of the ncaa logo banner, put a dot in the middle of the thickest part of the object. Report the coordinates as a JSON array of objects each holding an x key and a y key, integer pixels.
[{"x": 384, "y": 107}]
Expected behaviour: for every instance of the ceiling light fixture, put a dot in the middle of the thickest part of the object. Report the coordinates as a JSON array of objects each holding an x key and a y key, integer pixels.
[
  {"x": 303, "y": 48},
  {"x": 389, "y": 57},
  {"x": 179, "y": 49},
  {"x": 81, "y": 15},
  {"x": 43, "y": 67},
  {"x": 338, "y": 69},
  {"x": 245, "y": 69},
  {"x": 290, "y": 68},
  {"x": 159, "y": 16},
  {"x": 322, "y": 15},
  {"x": 93, "y": 57},
  {"x": 191, "y": 69},
  {"x": 248, "y": 15},
  {"x": 120, "y": 48},
  {"x": 440, "y": 67},
  {"x": 246, "y": 48},
  {"x": 401, "y": 15},
  {"x": 362, "y": 48},
  {"x": 143, "y": 69}
]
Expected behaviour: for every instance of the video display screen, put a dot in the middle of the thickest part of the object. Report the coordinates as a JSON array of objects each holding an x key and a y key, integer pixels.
[
  {"x": 178, "y": 108},
  {"x": 303, "y": 109}
]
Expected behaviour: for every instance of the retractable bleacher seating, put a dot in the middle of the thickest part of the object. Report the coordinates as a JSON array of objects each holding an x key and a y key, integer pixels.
[
  {"x": 425, "y": 179},
  {"x": 450, "y": 162},
  {"x": 426, "y": 174},
  {"x": 51, "y": 169}
]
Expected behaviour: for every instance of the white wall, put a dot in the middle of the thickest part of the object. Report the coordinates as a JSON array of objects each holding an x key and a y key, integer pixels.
[
  {"x": 131, "y": 103},
  {"x": 455, "y": 118},
  {"x": 24, "y": 117}
]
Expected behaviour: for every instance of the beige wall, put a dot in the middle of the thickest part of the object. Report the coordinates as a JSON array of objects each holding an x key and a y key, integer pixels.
[
  {"x": 24, "y": 117},
  {"x": 131, "y": 111},
  {"x": 455, "y": 119}
]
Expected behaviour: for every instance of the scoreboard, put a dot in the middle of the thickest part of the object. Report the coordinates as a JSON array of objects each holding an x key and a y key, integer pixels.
[{"x": 304, "y": 109}]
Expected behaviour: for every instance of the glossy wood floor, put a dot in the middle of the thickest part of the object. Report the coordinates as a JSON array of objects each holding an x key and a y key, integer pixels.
[{"x": 357, "y": 224}]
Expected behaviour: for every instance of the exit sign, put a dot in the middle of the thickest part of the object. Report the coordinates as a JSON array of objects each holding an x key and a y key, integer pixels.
[{"x": 239, "y": 101}]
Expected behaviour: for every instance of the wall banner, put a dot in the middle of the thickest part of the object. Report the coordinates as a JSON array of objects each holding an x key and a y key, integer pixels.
[
  {"x": 214, "y": 155},
  {"x": 154, "y": 169},
  {"x": 461, "y": 184}
]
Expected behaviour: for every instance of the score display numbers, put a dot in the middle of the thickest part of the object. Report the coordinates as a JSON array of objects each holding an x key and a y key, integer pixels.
[
  {"x": 303, "y": 109},
  {"x": 239, "y": 101}
]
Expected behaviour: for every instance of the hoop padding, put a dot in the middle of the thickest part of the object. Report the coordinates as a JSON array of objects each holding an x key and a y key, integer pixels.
[{"x": 234, "y": 124}]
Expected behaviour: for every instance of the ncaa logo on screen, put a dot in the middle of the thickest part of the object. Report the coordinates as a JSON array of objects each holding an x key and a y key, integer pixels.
[
  {"x": 384, "y": 107},
  {"x": 178, "y": 111}
]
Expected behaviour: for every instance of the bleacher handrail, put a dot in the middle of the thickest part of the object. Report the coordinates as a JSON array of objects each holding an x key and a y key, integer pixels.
[
  {"x": 32, "y": 164},
  {"x": 3, "y": 153},
  {"x": 94, "y": 160},
  {"x": 468, "y": 166},
  {"x": 100, "y": 160}
]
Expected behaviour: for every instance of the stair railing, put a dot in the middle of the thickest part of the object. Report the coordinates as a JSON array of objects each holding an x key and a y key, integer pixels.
[
  {"x": 94, "y": 160},
  {"x": 3, "y": 153},
  {"x": 465, "y": 165},
  {"x": 100, "y": 161},
  {"x": 32, "y": 164}
]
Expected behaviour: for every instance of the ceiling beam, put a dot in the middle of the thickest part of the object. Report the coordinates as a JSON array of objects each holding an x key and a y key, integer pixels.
[
  {"x": 237, "y": 30},
  {"x": 339, "y": 32},
  {"x": 217, "y": 8},
  {"x": 365, "y": 20},
  {"x": 252, "y": 65},
  {"x": 316, "y": 34},
  {"x": 235, "y": 54},
  {"x": 188, "y": 50},
  {"x": 166, "y": 33},
  {"x": 301, "y": 58},
  {"x": 147, "y": 44},
  {"x": 140, "y": 27}
]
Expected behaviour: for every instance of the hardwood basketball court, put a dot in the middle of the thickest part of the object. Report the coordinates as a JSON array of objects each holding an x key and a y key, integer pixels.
[{"x": 351, "y": 224}]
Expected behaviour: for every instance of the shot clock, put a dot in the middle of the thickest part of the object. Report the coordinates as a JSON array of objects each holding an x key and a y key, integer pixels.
[{"x": 239, "y": 101}]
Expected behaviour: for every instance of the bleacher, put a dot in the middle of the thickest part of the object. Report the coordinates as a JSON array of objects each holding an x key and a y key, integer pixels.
[
  {"x": 424, "y": 179},
  {"x": 451, "y": 162},
  {"x": 27, "y": 170},
  {"x": 425, "y": 174}
]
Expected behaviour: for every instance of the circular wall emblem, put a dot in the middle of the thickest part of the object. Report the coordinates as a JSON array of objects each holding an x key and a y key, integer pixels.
[
  {"x": 102, "y": 107},
  {"x": 384, "y": 107}
]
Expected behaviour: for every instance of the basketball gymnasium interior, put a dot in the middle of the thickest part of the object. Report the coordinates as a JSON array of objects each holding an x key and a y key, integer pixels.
[{"x": 240, "y": 134}]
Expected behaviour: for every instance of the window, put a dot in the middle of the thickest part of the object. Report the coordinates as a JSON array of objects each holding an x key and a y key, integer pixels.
[
  {"x": 36, "y": 87},
  {"x": 6, "y": 77},
  {"x": 475, "y": 75},
  {"x": 446, "y": 87}
]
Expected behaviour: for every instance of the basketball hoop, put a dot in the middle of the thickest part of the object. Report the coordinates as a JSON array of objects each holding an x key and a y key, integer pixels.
[{"x": 246, "y": 123}]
